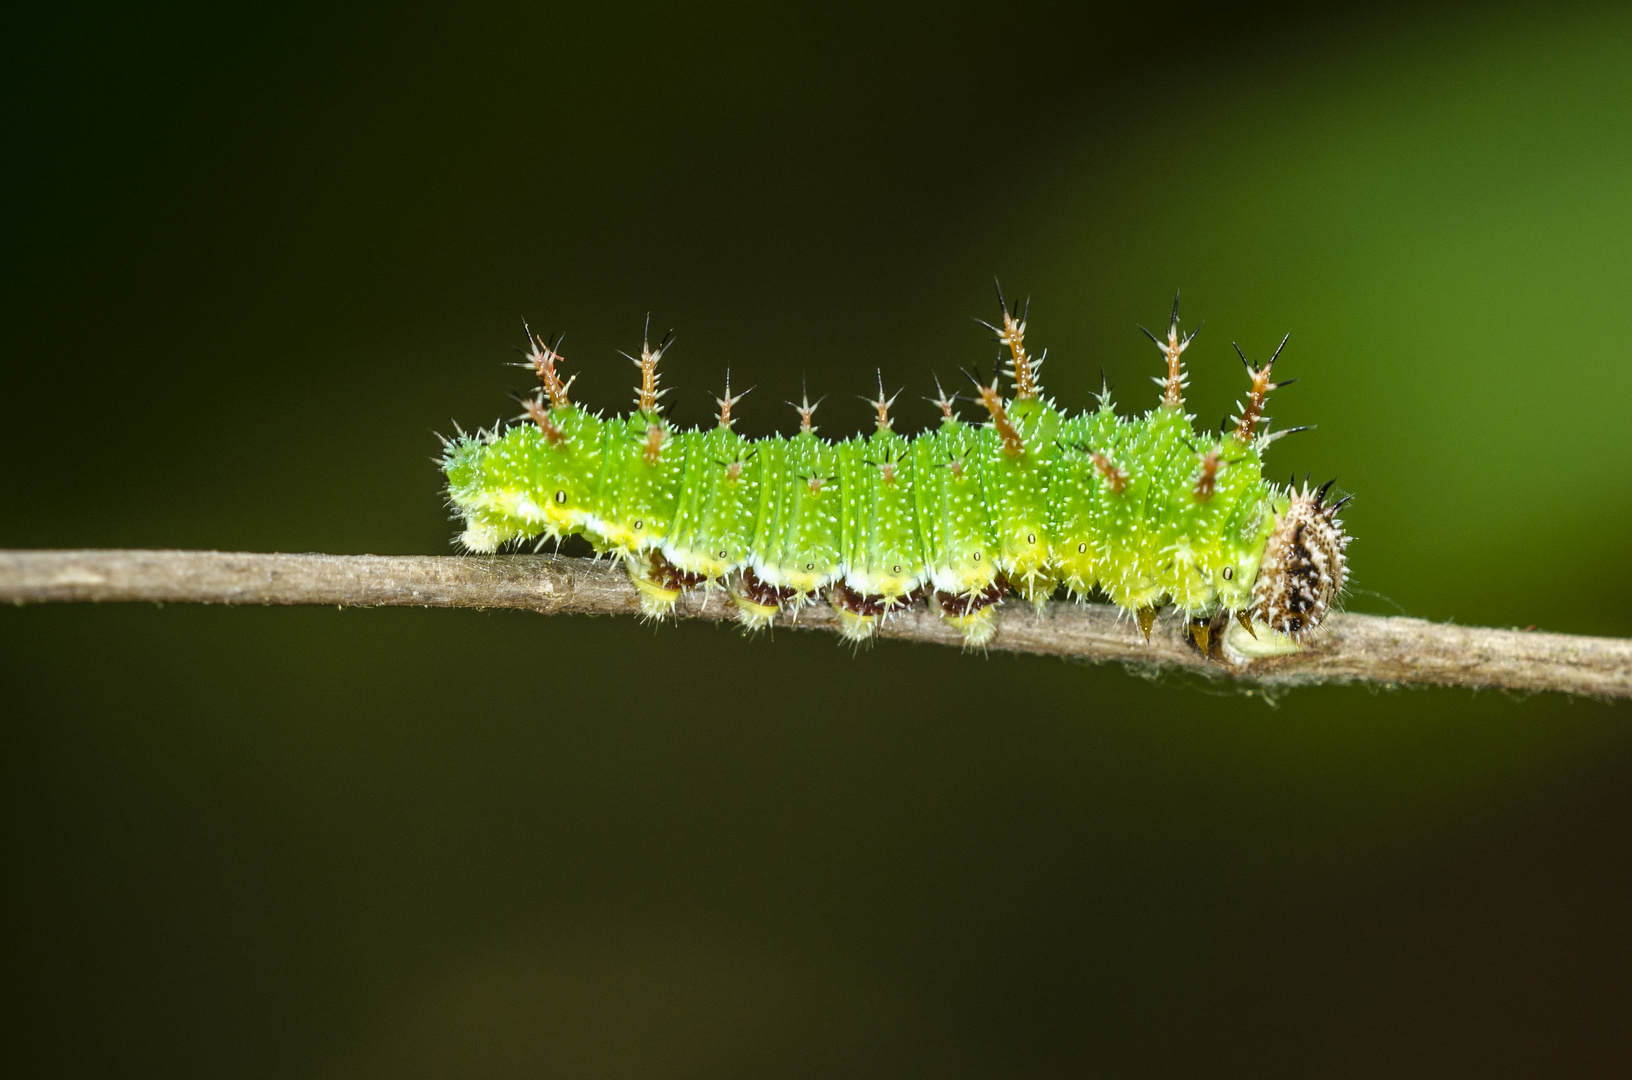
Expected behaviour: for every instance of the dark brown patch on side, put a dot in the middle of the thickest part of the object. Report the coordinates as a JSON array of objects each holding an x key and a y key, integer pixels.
[
  {"x": 955, "y": 606},
  {"x": 665, "y": 575},
  {"x": 756, "y": 591},
  {"x": 842, "y": 596}
]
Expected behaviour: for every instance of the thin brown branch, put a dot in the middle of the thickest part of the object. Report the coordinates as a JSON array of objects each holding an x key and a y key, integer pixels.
[{"x": 1350, "y": 648}]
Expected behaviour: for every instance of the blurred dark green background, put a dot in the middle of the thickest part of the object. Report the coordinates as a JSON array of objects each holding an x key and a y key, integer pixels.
[{"x": 252, "y": 260}]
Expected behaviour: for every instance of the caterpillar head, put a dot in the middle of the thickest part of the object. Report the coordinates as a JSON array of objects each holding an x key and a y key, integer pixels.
[{"x": 1303, "y": 568}]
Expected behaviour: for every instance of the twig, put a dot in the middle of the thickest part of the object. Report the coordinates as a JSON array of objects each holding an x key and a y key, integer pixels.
[{"x": 1349, "y": 648}]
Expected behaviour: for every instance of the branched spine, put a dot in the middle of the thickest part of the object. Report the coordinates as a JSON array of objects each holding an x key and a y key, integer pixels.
[
  {"x": 647, "y": 393},
  {"x": 1022, "y": 368},
  {"x": 992, "y": 399},
  {"x": 1247, "y": 423},
  {"x": 542, "y": 357},
  {"x": 1173, "y": 351},
  {"x": 727, "y": 403},
  {"x": 881, "y": 405}
]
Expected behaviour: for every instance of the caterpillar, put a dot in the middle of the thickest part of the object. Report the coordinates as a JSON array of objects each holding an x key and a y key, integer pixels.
[{"x": 1027, "y": 499}]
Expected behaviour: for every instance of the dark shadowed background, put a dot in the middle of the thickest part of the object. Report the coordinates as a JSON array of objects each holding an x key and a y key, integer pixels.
[{"x": 253, "y": 260}]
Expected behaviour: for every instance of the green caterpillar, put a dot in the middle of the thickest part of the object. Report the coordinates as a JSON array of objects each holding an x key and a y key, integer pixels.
[{"x": 1029, "y": 499}]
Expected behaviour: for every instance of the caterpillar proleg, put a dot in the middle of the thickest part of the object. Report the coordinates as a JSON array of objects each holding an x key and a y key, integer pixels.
[{"x": 1027, "y": 499}]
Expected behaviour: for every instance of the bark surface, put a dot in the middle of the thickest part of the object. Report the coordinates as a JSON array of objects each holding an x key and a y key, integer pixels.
[{"x": 1348, "y": 648}]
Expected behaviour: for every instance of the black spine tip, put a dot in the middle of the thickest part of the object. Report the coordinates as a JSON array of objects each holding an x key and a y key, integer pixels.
[{"x": 1278, "y": 349}]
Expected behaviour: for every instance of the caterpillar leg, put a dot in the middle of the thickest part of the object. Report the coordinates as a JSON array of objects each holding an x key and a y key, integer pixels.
[
  {"x": 973, "y": 613},
  {"x": 1248, "y": 638},
  {"x": 481, "y": 537},
  {"x": 758, "y": 602},
  {"x": 859, "y": 614},
  {"x": 1036, "y": 584},
  {"x": 659, "y": 582},
  {"x": 857, "y": 628},
  {"x": 1201, "y": 632}
]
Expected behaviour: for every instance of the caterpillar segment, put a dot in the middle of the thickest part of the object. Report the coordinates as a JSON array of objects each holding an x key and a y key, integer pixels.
[{"x": 1021, "y": 499}]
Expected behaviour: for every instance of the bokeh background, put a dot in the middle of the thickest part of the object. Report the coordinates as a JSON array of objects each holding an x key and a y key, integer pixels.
[{"x": 253, "y": 259}]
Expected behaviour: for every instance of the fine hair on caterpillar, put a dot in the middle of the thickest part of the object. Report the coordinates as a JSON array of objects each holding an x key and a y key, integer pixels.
[{"x": 1023, "y": 498}]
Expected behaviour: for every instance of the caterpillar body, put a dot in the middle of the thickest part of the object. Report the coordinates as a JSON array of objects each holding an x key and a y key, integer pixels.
[{"x": 1028, "y": 499}]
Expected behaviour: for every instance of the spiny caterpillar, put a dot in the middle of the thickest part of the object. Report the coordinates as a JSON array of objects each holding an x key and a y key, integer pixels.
[{"x": 1029, "y": 499}]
